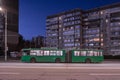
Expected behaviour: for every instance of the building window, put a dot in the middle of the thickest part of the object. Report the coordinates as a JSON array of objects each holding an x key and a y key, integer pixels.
[
  {"x": 101, "y": 39},
  {"x": 91, "y": 44},
  {"x": 60, "y": 18},
  {"x": 106, "y": 20},
  {"x": 71, "y": 27},
  {"x": 63, "y": 29},
  {"x": 101, "y": 44},
  {"x": 60, "y": 38},
  {"x": 1, "y": 31},
  {"x": 60, "y": 26},
  {"x": 96, "y": 39},
  {"x": 68, "y": 15},
  {"x": 101, "y": 12},
  {"x": 1, "y": 26}
]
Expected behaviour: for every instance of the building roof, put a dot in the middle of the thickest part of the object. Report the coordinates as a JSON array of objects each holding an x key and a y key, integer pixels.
[
  {"x": 65, "y": 12},
  {"x": 104, "y": 7}
]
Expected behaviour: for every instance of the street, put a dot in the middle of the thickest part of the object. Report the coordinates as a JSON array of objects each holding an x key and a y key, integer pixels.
[{"x": 62, "y": 71}]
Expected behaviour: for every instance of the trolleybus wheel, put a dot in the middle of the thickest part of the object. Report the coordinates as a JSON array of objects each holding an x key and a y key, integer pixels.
[
  {"x": 57, "y": 60},
  {"x": 33, "y": 60},
  {"x": 88, "y": 60}
]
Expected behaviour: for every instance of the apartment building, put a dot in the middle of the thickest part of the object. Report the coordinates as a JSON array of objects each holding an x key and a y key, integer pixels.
[
  {"x": 101, "y": 29},
  {"x": 38, "y": 41},
  {"x": 97, "y": 28},
  {"x": 63, "y": 30},
  {"x": 11, "y": 9}
]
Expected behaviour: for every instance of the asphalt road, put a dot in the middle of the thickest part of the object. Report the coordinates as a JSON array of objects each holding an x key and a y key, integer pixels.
[{"x": 53, "y": 71}]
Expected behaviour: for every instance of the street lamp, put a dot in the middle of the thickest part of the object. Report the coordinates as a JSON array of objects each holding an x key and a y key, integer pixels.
[{"x": 4, "y": 11}]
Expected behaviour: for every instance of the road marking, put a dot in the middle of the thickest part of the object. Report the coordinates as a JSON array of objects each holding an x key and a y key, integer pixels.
[
  {"x": 9, "y": 73},
  {"x": 47, "y": 67},
  {"x": 104, "y": 74}
]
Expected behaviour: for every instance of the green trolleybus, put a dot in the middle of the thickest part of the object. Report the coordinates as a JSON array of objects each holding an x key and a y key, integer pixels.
[
  {"x": 56, "y": 55},
  {"x": 42, "y": 55},
  {"x": 86, "y": 55}
]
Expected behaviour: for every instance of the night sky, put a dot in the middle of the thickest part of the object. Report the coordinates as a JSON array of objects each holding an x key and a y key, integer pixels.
[{"x": 33, "y": 13}]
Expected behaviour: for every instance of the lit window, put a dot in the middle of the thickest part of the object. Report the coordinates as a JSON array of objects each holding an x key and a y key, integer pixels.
[
  {"x": 59, "y": 37},
  {"x": 77, "y": 39},
  {"x": 91, "y": 44},
  {"x": 60, "y": 18},
  {"x": 101, "y": 54},
  {"x": 46, "y": 53},
  {"x": 101, "y": 44},
  {"x": 60, "y": 26},
  {"x": 59, "y": 53},
  {"x": 71, "y": 27},
  {"x": 52, "y": 53},
  {"x": 33, "y": 53},
  {"x": 96, "y": 53},
  {"x": 101, "y": 12},
  {"x": 83, "y": 53},
  {"x": 102, "y": 39},
  {"x": 106, "y": 20},
  {"x": 91, "y": 40},
  {"x": 96, "y": 39},
  {"x": 90, "y": 53},
  {"x": 40, "y": 53},
  {"x": 77, "y": 53}
]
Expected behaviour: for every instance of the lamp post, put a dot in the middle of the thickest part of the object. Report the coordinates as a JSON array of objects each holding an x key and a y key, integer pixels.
[{"x": 5, "y": 34}]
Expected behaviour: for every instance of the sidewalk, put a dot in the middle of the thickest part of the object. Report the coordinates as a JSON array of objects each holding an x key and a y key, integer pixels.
[
  {"x": 111, "y": 61},
  {"x": 2, "y": 60}
]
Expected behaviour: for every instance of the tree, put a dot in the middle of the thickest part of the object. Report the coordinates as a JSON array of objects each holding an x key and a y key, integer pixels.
[{"x": 20, "y": 43}]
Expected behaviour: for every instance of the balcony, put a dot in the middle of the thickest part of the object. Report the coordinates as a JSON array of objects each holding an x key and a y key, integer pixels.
[
  {"x": 115, "y": 10},
  {"x": 116, "y": 14}
]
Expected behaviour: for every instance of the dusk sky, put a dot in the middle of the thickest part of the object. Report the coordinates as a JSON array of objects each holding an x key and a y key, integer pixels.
[{"x": 33, "y": 13}]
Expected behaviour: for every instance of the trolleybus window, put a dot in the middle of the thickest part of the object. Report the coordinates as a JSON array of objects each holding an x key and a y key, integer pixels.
[
  {"x": 59, "y": 53},
  {"x": 52, "y": 53},
  {"x": 77, "y": 53},
  {"x": 33, "y": 53},
  {"x": 96, "y": 53},
  {"x": 100, "y": 53},
  {"x": 46, "y": 53},
  {"x": 83, "y": 53},
  {"x": 90, "y": 53},
  {"x": 26, "y": 52},
  {"x": 40, "y": 53}
]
